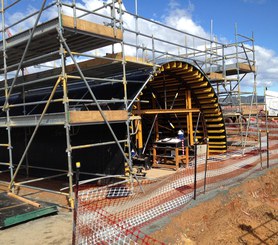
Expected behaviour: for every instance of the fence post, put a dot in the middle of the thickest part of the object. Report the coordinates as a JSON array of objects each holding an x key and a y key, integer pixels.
[
  {"x": 195, "y": 169},
  {"x": 260, "y": 141},
  {"x": 206, "y": 166},
  {"x": 267, "y": 149},
  {"x": 77, "y": 164}
]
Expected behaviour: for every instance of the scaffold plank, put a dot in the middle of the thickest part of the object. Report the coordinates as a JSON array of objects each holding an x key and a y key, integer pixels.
[
  {"x": 76, "y": 117},
  {"x": 83, "y": 37},
  {"x": 108, "y": 66},
  {"x": 79, "y": 117},
  {"x": 164, "y": 111}
]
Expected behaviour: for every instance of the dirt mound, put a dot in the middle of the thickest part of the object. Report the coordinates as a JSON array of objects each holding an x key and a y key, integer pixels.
[{"x": 245, "y": 214}]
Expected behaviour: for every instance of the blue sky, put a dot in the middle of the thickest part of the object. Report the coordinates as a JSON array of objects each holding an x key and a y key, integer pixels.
[
  {"x": 257, "y": 16},
  {"x": 250, "y": 16}
]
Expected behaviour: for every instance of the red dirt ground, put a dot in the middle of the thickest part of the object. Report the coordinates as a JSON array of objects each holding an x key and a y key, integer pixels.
[{"x": 245, "y": 214}]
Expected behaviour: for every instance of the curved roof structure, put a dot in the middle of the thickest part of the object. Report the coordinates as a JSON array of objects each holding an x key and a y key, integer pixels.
[{"x": 170, "y": 87}]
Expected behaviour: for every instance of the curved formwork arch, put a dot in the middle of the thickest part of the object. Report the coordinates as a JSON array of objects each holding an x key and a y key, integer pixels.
[{"x": 172, "y": 85}]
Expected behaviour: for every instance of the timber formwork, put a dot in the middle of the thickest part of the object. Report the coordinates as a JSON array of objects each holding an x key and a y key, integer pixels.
[{"x": 98, "y": 87}]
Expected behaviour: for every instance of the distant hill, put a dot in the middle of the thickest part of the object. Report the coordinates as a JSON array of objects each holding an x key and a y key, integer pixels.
[{"x": 245, "y": 99}]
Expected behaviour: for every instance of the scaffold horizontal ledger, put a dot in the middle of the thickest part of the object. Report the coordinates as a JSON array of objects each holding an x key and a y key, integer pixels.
[{"x": 79, "y": 84}]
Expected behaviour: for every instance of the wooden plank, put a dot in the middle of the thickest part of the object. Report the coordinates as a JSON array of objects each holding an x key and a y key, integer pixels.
[
  {"x": 215, "y": 76},
  {"x": 246, "y": 67},
  {"x": 77, "y": 117},
  {"x": 95, "y": 28},
  {"x": 164, "y": 111},
  {"x": 98, "y": 62}
]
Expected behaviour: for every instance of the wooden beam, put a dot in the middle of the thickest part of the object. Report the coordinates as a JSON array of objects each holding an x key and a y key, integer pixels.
[
  {"x": 94, "y": 28},
  {"x": 189, "y": 116},
  {"x": 165, "y": 111},
  {"x": 35, "y": 204},
  {"x": 77, "y": 117}
]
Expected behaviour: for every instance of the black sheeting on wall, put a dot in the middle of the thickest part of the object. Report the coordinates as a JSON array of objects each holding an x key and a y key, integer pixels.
[{"x": 49, "y": 148}]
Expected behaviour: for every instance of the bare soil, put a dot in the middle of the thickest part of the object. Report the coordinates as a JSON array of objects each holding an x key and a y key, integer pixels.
[{"x": 244, "y": 214}]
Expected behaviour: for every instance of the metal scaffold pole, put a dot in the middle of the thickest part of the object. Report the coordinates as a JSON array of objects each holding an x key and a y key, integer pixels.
[
  {"x": 7, "y": 109},
  {"x": 66, "y": 107}
]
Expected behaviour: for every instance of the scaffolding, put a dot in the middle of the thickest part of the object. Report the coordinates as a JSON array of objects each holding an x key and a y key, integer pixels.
[{"x": 65, "y": 70}]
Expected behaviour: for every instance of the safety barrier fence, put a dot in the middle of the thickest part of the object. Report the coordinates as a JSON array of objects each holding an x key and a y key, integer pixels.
[{"x": 115, "y": 213}]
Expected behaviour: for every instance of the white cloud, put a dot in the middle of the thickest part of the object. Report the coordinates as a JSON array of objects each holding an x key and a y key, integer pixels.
[
  {"x": 267, "y": 62},
  {"x": 178, "y": 17}
]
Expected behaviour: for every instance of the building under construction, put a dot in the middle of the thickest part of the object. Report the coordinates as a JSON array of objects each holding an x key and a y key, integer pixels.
[{"x": 82, "y": 85}]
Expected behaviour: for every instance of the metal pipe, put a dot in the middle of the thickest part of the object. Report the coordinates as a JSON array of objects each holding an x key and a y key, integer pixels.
[
  {"x": 6, "y": 92},
  {"x": 151, "y": 37},
  {"x": 75, "y": 203},
  {"x": 28, "y": 16},
  {"x": 5, "y": 164},
  {"x": 34, "y": 133},
  {"x": 24, "y": 53},
  {"x": 92, "y": 12},
  {"x": 96, "y": 79},
  {"x": 39, "y": 179},
  {"x": 136, "y": 28},
  {"x": 170, "y": 28},
  {"x": 36, "y": 59},
  {"x": 64, "y": 171},
  {"x": 195, "y": 170},
  {"x": 4, "y": 171},
  {"x": 206, "y": 166},
  {"x": 267, "y": 149},
  {"x": 33, "y": 103},
  {"x": 260, "y": 144},
  {"x": 100, "y": 178},
  {"x": 12, "y": 4},
  {"x": 196, "y": 128},
  {"x": 150, "y": 133},
  {"x": 47, "y": 190},
  {"x": 33, "y": 82},
  {"x": 140, "y": 90},
  {"x": 94, "y": 98},
  {"x": 96, "y": 144}
]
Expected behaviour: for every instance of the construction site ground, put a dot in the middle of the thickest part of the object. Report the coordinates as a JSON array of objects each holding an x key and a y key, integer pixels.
[{"x": 245, "y": 213}]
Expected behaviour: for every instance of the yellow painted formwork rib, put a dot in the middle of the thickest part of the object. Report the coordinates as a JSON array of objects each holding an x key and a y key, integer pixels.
[
  {"x": 190, "y": 78},
  {"x": 217, "y": 146},
  {"x": 216, "y": 125},
  {"x": 208, "y": 101},
  {"x": 172, "y": 74},
  {"x": 202, "y": 90},
  {"x": 199, "y": 131},
  {"x": 212, "y": 111},
  {"x": 188, "y": 73},
  {"x": 218, "y": 119},
  {"x": 216, "y": 137},
  {"x": 216, "y": 114},
  {"x": 209, "y": 106},
  {"x": 195, "y": 81},
  {"x": 180, "y": 65},
  {"x": 167, "y": 66},
  {"x": 205, "y": 96},
  {"x": 219, "y": 131},
  {"x": 200, "y": 85},
  {"x": 217, "y": 151},
  {"x": 218, "y": 143}
]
